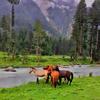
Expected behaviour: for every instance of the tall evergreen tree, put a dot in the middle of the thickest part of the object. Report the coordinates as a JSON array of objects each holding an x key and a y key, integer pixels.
[
  {"x": 79, "y": 33},
  {"x": 38, "y": 38},
  {"x": 95, "y": 31},
  {"x": 5, "y": 33},
  {"x": 13, "y": 35},
  {"x": 5, "y": 23},
  {"x": 13, "y": 3},
  {"x": 22, "y": 45}
]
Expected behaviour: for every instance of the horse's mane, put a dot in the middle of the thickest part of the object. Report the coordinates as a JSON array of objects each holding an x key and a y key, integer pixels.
[
  {"x": 33, "y": 68},
  {"x": 56, "y": 68},
  {"x": 53, "y": 67},
  {"x": 45, "y": 68}
]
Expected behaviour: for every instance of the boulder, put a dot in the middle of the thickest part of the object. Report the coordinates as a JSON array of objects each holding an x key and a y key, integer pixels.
[{"x": 10, "y": 69}]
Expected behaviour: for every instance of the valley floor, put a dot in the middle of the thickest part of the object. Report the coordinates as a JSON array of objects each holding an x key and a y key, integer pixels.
[{"x": 31, "y": 60}]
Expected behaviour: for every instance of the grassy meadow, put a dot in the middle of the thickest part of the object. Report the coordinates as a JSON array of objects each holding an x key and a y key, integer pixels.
[
  {"x": 84, "y": 88},
  {"x": 30, "y": 60}
]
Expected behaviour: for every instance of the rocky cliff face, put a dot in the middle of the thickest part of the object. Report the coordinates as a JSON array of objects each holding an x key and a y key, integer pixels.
[{"x": 55, "y": 15}]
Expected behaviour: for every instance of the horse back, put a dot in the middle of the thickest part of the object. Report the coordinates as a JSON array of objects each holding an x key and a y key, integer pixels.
[
  {"x": 62, "y": 72},
  {"x": 41, "y": 73}
]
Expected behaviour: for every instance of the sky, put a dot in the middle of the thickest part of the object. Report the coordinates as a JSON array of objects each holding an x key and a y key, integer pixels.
[{"x": 88, "y": 2}]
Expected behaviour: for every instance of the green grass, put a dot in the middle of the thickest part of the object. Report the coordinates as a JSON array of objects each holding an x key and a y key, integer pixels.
[
  {"x": 45, "y": 60},
  {"x": 86, "y": 88}
]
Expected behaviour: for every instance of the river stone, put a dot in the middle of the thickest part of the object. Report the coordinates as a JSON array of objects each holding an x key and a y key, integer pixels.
[{"x": 10, "y": 69}]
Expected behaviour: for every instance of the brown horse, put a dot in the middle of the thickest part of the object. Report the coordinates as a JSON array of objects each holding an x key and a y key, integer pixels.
[
  {"x": 54, "y": 75},
  {"x": 63, "y": 74},
  {"x": 39, "y": 73},
  {"x": 49, "y": 68}
]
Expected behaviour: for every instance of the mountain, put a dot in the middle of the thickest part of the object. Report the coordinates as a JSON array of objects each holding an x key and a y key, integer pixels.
[
  {"x": 58, "y": 13},
  {"x": 55, "y": 15},
  {"x": 25, "y": 13}
]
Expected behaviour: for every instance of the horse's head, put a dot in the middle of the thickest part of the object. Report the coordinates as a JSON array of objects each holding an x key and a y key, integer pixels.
[
  {"x": 56, "y": 68},
  {"x": 50, "y": 68},
  {"x": 32, "y": 70},
  {"x": 46, "y": 68}
]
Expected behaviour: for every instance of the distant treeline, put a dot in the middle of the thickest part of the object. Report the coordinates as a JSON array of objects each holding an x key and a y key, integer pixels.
[{"x": 25, "y": 42}]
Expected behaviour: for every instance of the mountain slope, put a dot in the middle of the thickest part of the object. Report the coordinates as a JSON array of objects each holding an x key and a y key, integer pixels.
[
  {"x": 59, "y": 13},
  {"x": 55, "y": 15}
]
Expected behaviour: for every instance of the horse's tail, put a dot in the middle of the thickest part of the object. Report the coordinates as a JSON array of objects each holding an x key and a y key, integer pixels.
[{"x": 71, "y": 78}]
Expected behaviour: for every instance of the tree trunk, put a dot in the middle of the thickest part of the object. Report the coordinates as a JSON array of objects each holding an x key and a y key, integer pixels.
[
  {"x": 13, "y": 16},
  {"x": 91, "y": 44},
  {"x": 98, "y": 44},
  {"x": 94, "y": 55},
  {"x": 97, "y": 39},
  {"x": 77, "y": 50},
  {"x": 80, "y": 46}
]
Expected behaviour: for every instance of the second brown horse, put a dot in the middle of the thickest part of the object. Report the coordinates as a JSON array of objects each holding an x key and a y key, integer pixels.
[
  {"x": 67, "y": 75},
  {"x": 55, "y": 75}
]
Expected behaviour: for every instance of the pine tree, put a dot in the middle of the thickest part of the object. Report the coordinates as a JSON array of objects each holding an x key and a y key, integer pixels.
[
  {"x": 5, "y": 33},
  {"x": 13, "y": 35},
  {"x": 95, "y": 31},
  {"x": 22, "y": 45},
  {"x": 13, "y": 3},
  {"x": 5, "y": 23},
  {"x": 79, "y": 33},
  {"x": 38, "y": 39}
]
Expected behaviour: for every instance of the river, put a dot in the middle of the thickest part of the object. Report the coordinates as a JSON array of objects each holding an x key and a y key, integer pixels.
[{"x": 22, "y": 76}]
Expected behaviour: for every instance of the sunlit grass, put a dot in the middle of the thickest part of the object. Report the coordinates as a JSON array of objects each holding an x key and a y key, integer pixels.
[
  {"x": 5, "y": 60},
  {"x": 86, "y": 88}
]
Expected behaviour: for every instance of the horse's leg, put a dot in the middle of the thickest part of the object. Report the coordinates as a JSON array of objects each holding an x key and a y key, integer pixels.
[
  {"x": 55, "y": 84},
  {"x": 37, "y": 80},
  {"x": 65, "y": 79},
  {"x": 51, "y": 81},
  {"x": 59, "y": 83},
  {"x": 71, "y": 78},
  {"x": 47, "y": 80},
  {"x": 70, "y": 82},
  {"x": 68, "y": 79}
]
